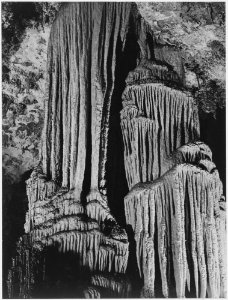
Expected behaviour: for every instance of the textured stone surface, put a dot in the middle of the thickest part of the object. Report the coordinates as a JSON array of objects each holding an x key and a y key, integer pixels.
[
  {"x": 175, "y": 191},
  {"x": 174, "y": 203},
  {"x": 185, "y": 205},
  {"x": 155, "y": 121},
  {"x": 23, "y": 101},
  {"x": 198, "y": 29}
]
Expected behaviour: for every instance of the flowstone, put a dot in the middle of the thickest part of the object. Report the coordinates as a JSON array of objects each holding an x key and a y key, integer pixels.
[
  {"x": 98, "y": 52},
  {"x": 175, "y": 192}
]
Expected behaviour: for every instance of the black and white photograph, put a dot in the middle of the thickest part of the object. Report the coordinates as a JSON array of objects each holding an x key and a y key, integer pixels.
[{"x": 113, "y": 149}]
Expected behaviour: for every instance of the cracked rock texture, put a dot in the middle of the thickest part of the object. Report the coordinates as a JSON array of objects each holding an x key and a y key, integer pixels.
[{"x": 198, "y": 31}]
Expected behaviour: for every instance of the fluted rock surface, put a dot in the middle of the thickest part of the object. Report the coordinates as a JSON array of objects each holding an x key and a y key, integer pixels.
[
  {"x": 174, "y": 186},
  {"x": 155, "y": 121},
  {"x": 68, "y": 206},
  {"x": 182, "y": 209},
  {"x": 67, "y": 193},
  {"x": 174, "y": 203},
  {"x": 85, "y": 43},
  {"x": 56, "y": 218}
]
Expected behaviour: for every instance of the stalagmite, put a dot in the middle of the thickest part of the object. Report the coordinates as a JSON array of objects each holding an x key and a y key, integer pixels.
[
  {"x": 155, "y": 121},
  {"x": 81, "y": 64},
  {"x": 98, "y": 51},
  {"x": 184, "y": 186},
  {"x": 173, "y": 203}
]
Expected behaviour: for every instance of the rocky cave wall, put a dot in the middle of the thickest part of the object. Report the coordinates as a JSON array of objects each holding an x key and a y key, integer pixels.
[{"x": 72, "y": 205}]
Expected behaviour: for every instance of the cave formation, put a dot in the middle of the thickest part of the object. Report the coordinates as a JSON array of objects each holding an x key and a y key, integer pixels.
[{"x": 121, "y": 137}]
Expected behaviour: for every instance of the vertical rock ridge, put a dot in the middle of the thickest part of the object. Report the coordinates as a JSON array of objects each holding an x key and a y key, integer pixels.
[
  {"x": 175, "y": 190},
  {"x": 181, "y": 185},
  {"x": 66, "y": 208},
  {"x": 151, "y": 114},
  {"x": 175, "y": 201},
  {"x": 83, "y": 43}
]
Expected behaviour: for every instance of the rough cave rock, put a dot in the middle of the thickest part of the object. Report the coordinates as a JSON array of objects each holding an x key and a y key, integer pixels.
[{"x": 98, "y": 52}]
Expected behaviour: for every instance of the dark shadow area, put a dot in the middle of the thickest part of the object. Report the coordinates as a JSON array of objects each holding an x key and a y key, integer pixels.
[
  {"x": 64, "y": 277},
  {"x": 158, "y": 282},
  {"x": 188, "y": 245},
  {"x": 117, "y": 187},
  {"x": 87, "y": 175},
  {"x": 213, "y": 133},
  {"x": 54, "y": 274},
  {"x": 14, "y": 207},
  {"x": 132, "y": 267}
]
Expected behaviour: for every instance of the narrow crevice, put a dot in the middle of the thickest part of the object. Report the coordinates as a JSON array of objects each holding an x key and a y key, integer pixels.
[
  {"x": 158, "y": 281},
  {"x": 88, "y": 168},
  {"x": 213, "y": 133},
  {"x": 117, "y": 187},
  {"x": 188, "y": 244},
  {"x": 132, "y": 268}
]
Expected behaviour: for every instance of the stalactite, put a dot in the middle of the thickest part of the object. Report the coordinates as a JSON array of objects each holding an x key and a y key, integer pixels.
[
  {"x": 184, "y": 185},
  {"x": 81, "y": 66},
  {"x": 85, "y": 41},
  {"x": 222, "y": 243},
  {"x": 68, "y": 206},
  {"x": 57, "y": 219},
  {"x": 116, "y": 283},
  {"x": 173, "y": 203},
  {"x": 152, "y": 113}
]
